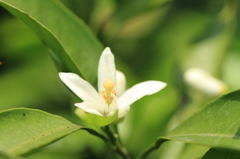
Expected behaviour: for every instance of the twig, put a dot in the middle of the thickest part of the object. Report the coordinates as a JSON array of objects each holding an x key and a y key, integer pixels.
[
  {"x": 155, "y": 146},
  {"x": 95, "y": 133},
  {"x": 116, "y": 145}
]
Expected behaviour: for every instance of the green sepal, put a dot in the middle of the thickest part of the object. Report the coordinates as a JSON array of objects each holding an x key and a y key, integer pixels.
[{"x": 94, "y": 119}]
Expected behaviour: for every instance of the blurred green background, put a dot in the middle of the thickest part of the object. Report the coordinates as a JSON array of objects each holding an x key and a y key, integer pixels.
[{"x": 151, "y": 40}]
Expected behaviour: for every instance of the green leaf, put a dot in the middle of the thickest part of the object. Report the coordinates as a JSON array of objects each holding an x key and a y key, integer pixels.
[
  {"x": 75, "y": 48},
  {"x": 215, "y": 125},
  {"x": 23, "y": 130},
  {"x": 221, "y": 154},
  {"x": 6, "y": 156}
]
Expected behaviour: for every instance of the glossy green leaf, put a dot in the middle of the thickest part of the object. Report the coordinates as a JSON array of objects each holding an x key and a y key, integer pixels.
[
  {"x": 181, "y": 150},
  {"x": 75, "y": 47},
  {"x": 215, "y": 125},
  {"x": 221, "y": 154},
  {"x": 23, "y": 130},
  {"x": 6, "y": 156}
]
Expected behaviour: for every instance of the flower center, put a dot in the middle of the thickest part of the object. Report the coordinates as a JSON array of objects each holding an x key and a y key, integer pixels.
[{"x": 109, "y": 89}]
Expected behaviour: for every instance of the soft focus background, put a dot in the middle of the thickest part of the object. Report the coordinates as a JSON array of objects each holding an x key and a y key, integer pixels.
[{"x": 151, "y": 39}]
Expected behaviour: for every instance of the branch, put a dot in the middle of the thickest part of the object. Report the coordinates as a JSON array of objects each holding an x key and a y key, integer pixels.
[
  {"x": 116, "y": 145},
  {"x": 95, "y": 133},
  {"x": 155, "y": 146}
]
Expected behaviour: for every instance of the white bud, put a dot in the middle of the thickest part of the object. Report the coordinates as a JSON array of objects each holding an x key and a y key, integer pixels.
[
  {"x": 121, "y": 82},
  {"x": 204, "y": 82}
]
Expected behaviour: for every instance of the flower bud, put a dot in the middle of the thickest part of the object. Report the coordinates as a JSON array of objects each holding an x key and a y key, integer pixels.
[
  {"x": 204, "y": 82},
  {"x": 121, "y": 83}
]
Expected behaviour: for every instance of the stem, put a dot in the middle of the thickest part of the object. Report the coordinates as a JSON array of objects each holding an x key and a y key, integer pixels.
[
  {"x": 116, "y": 145},
  {"x": 95, "y": 133},
  {"x": 112, "y": 141},
  {"x": 155, "y": 146},
  {"x": 115, "y": 128}
]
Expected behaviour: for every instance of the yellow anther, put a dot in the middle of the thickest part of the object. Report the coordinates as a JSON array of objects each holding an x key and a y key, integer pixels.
[{"x": 108, "y": 84}]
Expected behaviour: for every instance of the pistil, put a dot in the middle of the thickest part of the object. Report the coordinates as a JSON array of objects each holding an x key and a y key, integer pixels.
[{"x": 109, "y": 89}]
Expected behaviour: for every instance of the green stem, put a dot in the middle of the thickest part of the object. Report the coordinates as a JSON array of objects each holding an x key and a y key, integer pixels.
[
  {"x": 116, "y": 145},
  {"x": 115, "y": 128},
  {"x": 95, "y": 133},
  {"x": 155, "y": 146}
]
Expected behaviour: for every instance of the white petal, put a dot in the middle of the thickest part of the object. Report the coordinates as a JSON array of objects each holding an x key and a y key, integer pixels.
[
  {"x": 121, "y": 82},
  {"x": 88, "y": 106},
  {"x": 106, "y": 68},
  {"x": 138, "y": 91},
  {"x": 122, "y": 112},
  {"x": 80, "y": 87}
]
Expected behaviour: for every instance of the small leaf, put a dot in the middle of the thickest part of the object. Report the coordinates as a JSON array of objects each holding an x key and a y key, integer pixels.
[
  {"x": 221, "y": 154},
  {"x": 23, "y": 130},
  {"x": 215, "y": 125},
  {"x": 6, "y": 156}
]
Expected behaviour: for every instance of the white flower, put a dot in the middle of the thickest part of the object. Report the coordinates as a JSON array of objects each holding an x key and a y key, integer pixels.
[
  {"x": 204, "y": 82},
  {"x": 110, "y": 102}
]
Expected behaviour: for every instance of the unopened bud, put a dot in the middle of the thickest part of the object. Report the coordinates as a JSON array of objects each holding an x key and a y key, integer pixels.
[
  {"x": 204, "y": 82},
  {"x": 121, "y": 82}
]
